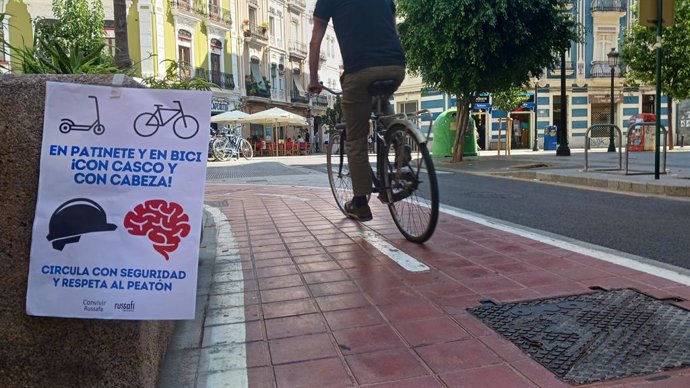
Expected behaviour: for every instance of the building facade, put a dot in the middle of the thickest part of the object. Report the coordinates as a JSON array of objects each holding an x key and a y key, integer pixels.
[
  {"x": 254, "y": 51},
  {"x": 588, "y": 85}
]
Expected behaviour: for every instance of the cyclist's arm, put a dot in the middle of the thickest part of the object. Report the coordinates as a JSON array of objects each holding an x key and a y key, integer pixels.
[{"x": 317, "y": 35}]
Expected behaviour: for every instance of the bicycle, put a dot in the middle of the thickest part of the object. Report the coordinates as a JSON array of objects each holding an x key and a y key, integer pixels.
[
  {"x": 405, "y": 177},
  {"x": 184, "y": 127},
  {"x": 232, "y": 144}
]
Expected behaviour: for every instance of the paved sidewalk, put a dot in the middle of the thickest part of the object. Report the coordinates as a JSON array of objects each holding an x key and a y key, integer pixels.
[
  {"x": 292, "y": 294},
  {"x": 547, "y": 167}
]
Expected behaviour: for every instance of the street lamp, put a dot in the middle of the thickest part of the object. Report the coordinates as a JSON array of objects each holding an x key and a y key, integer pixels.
[
  {"x": 613, "y": 62},
  {"x": 535, "y": 146}
]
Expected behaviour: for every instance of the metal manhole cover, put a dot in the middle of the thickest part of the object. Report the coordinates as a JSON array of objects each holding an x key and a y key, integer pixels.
[{"x": 603, "y": 335}]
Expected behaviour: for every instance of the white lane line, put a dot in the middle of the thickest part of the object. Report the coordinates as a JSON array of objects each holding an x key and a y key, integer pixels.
[
  {"x": 223, "y": 360},
  {"x": 401, "y": 258},
  {"x": 652, "y": 267}
]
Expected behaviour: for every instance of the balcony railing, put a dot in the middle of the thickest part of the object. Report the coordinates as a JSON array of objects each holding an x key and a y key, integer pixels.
[
  {"x": 300, "y": 3},
  {"x": 296, "y": 96},
  {"x": 321, "y": 100},
  {"x": 218, "y": 14},
  {"x": 601, "y": 69},
  {"x": 253, "y": 29},
  {"x": 192, "y": 6},
  {"x": 219, "y": 78},
  {"x": 278, "y": 94},
  {"x": 608, "y": 6},
  {"x": 297, "y": 47}
]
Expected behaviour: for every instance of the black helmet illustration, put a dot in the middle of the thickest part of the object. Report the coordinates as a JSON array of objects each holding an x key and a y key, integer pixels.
[{"x": 74, "y": 218}]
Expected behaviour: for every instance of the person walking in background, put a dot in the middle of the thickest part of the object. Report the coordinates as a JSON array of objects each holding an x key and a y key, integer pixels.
[{"x": 371, "y": 51}]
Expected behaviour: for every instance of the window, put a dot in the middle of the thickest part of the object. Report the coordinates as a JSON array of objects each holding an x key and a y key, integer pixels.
[
  {"x": 252, "y": 16},
  {"x": 272, "y": 26},
  {"x": 215, "y": 69},
  {"x": 407, "y": 107},
  {"x": 648, "y": 105},
  {"x": 604, "y": 44}
]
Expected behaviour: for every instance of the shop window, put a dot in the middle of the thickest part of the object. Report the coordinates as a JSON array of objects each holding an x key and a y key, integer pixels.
[{"x": 648, "y": 103}]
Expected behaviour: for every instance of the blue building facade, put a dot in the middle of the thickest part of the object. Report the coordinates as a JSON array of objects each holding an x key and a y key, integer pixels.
[{"x": 588, "y": 86}]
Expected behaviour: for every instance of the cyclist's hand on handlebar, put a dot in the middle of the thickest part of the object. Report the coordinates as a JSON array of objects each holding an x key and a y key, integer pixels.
[{"x": 315, "y": 87}]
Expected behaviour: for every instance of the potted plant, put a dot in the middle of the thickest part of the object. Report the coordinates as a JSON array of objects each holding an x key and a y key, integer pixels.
[{"x": 264, "y": 27}]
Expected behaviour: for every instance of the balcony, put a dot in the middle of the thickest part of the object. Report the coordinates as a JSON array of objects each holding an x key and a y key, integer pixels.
[
  {"x": 255, "y": 33},
  {"x": 601, "y": 69},
  {"x": 299, "y": 5},
  {"x": 298, "y": 97},
  {"x": 608, "y": 6},
  {"x": 219, "y": 15},
  {"x": 278, "y": 95},
  {"x": 196, "y": 7},
  {"x": 297, "y": 50},
  {"x": 321, "y": 100},
  {"x": 219, "y": 78}
]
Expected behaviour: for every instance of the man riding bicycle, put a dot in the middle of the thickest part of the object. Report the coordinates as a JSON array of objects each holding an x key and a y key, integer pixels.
[{"x": 371, "y": 51}]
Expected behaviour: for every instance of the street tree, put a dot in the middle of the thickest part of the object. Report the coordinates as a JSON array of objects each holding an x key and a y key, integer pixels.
[
  {"x": 466, "y": 47},
  {"x": 638, "y": 53},
  {"x": 507, "y": 100}
]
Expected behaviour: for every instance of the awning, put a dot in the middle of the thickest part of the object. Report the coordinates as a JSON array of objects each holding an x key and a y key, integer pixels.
[
  {"x": 258, "y": 76},
  {"x": 297, "y": 80}
]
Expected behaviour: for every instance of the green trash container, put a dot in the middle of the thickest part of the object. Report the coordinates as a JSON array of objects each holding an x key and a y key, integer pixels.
[{"x": 445, "y": 131}]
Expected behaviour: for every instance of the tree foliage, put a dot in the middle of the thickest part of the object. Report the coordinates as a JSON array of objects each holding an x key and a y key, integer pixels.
[
  {"x": 466, "y": 47},
  {"x": 78, "y": 22},
  {"x": 508, "y": 99},
  {"x": 639, "y": 54}
]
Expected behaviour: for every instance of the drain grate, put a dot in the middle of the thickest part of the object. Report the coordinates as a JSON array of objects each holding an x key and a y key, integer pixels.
[{"x": 599, "y": 336}]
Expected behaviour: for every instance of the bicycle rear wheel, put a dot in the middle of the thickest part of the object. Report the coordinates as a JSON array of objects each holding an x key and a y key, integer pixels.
[
  {"x": 410, "y": 184},
  {"x": 246, "y": 149},
  {"x": 338, "y": 170}
]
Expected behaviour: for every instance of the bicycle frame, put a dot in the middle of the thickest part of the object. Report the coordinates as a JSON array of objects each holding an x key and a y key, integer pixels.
[{"x": 159, "y": 113}]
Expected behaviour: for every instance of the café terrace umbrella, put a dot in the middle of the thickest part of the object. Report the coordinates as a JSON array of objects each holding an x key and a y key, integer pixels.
[
  {"x": 275, "y": 116},
  {"x": 229, "y": 117}
]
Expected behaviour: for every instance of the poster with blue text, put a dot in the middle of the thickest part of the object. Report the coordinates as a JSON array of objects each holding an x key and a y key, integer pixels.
[{"x": 120, "y": 201}]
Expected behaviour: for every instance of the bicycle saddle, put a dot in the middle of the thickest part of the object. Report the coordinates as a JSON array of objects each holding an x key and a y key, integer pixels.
[{"x": 382, "y": 87}]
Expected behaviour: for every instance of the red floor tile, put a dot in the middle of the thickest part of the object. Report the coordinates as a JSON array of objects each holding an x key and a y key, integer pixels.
[
  {"x": 457, "y": 304},
  {"x": 302, "y": 348},
  {"x": 319, "y": 266},
  {"x": 319, "y": 373},
  {"x": 267, "y": 272},
  {"x": 458, "y": 355},
  {"x": 288, "y": 308},
  {"x": 341, "y": 302},
  {"x": 384, "y": 366},
  {"x": 294, "y": 326},
  {"x": 538, "y": 374},
  {"x": 325, "y": 276},
  {"x": 536, "y": 278},
  {"x": 391, "y": 295},
  {"x": 344, "y": 319},
  {"x": 261, "y": 377},
  {"x": 494, "y": 376},
  {"x": 333, "y": 288},
  {"x": 282, "y": 294},
  {"x": 257, "y": 354},
  {"x": 492, "y": 284},
  {"x": 408, "y": 310},
  {"x": 430, "y": 331},
  {"x": 367, "y": 339},
  {"x": 443, "y": 289},
  {"x": 417, "y": 382},
  {"x": 310, "y": 258},
  {"x": 280, "y": 282}
]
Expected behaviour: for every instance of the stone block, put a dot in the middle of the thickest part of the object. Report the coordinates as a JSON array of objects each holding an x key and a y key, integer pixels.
[{"x": 55, "y": 352}]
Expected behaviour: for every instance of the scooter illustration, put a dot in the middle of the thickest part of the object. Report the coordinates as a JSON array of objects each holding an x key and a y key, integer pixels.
[{"x": 68, "y": 125}]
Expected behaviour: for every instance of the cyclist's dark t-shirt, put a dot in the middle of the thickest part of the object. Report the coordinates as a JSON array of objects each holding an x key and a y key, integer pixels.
[{"x": 365, "y": 30}]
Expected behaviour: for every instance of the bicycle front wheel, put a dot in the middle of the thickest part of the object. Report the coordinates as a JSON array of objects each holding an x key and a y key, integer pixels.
[
  {"x": 221, "y": 149},
  {"x": 185, "y": 127},
  {"x": 338, "y": 170},
  {"x": 246, "y": 149},
  {"x": 410, "y": 184}
]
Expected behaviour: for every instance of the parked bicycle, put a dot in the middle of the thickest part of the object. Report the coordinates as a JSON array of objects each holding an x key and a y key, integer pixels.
[
  {"x": 184, "y": 126},
  {"x": 405, "y": 178},
  {"x": 231, "y": 144}
]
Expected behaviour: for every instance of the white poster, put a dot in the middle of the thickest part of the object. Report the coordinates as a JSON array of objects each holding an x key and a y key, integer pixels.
[{"x": 119, "y": 212}]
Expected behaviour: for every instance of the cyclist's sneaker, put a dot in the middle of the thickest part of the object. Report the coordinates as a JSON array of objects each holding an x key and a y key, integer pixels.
[{"x": 359, "y": 213}]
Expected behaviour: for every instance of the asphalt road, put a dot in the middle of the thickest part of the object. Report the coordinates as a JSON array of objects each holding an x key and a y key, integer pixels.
[{"x": 652, "y": 227}]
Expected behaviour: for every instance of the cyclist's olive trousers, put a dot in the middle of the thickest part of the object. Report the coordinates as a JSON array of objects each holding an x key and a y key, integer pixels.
[{"x": 357, "y": 108}]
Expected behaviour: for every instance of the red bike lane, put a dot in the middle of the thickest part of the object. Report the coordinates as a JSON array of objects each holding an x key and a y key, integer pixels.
[{"x": 321, "y": 304}]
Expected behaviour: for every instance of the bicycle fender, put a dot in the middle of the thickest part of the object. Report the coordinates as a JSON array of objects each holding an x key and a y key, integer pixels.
[{"x": 413, "y": 128}]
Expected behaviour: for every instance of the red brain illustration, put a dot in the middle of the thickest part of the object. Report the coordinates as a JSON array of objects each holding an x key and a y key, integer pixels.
[{"x": 164, "y": 223}]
